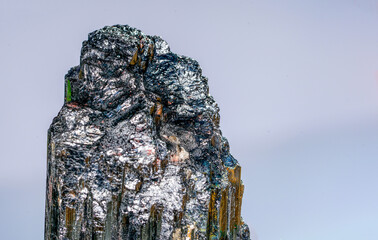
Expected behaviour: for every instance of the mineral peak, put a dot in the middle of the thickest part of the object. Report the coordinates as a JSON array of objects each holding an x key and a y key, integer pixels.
[{"x": 136, "y": 151}]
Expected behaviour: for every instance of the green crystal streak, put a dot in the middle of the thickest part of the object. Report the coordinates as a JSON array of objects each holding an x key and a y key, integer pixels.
[{"x": 68, "y": 91}]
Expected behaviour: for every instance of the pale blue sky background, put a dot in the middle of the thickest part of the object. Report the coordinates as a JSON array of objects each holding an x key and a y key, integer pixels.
[{"x": 297, "y": 83}]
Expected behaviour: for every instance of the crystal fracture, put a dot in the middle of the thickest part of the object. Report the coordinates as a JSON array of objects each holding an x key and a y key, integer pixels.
[{"x": 136, "y": 151}]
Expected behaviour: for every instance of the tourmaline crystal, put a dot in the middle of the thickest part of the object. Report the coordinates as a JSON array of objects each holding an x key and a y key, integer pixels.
[{"x": 136, "y": 151}]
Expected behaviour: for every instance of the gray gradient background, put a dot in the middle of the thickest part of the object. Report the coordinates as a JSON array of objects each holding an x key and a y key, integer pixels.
[{"x": 296, "y": 81}]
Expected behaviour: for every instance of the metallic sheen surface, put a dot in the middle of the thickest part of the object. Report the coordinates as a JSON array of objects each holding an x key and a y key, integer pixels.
[{"x": 136, "y": 151}]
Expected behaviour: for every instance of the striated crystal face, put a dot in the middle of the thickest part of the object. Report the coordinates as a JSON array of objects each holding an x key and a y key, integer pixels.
[{"x": 136, "y": 151}]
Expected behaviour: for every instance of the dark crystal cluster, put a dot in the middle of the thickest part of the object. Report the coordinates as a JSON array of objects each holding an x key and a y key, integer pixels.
[{"x": 136, "y": 151}]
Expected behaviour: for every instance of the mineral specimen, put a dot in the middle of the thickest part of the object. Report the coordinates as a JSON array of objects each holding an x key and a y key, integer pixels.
[{"x": 136, "y": 151}]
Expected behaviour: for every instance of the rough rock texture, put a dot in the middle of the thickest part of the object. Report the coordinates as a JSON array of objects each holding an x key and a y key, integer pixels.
[{"x": 136, "y": 151}]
